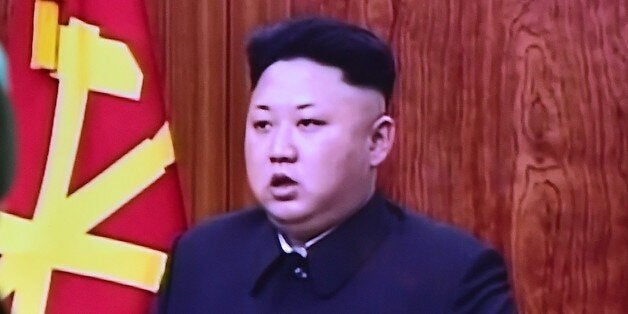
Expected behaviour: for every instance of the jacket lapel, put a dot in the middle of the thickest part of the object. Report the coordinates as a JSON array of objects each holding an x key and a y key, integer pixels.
[{"x": 339, "y": 256}]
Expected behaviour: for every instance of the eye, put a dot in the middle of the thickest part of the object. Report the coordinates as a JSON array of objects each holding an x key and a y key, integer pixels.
[
  {"x": 310, "y": 123},
  {"x": 261, "y": 125}
]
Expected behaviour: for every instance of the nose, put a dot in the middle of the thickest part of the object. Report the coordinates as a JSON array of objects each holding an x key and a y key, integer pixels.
[{"x": 282, "y": 148}]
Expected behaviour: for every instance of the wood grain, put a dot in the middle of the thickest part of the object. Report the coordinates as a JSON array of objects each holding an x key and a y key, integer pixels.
[
  {"x": 570, "y": 191},
  {"x": 196, "y": 76}
]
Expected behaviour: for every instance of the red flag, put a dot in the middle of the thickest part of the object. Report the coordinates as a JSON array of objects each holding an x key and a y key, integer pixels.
[{"x": 96, "y": 202}]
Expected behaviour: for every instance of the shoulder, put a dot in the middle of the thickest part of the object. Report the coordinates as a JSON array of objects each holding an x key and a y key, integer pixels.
[
  {"x": 436, "y": 237},
  {"x": 472, "y": 271},
  {"x": 443, "y": 251},
  {"x": 213, "y": 255},
  {"x": 228, "y": 229}
]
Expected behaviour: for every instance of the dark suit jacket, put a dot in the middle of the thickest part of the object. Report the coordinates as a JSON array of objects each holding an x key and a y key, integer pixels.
[{"x": 381, "y": 260}]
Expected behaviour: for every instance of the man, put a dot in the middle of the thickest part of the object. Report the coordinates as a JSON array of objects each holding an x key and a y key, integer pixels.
[{"x": 323, "y": 240}]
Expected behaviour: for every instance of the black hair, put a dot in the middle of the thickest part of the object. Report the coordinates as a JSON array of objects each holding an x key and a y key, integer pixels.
[{"x": 364, "y": 59}]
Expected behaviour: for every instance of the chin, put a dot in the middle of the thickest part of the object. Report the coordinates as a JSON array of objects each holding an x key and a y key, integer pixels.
[{"x": 287, "y": 212}]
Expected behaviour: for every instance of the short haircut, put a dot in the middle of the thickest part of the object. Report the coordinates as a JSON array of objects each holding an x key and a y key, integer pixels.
[{"x": 365, "y": 60}]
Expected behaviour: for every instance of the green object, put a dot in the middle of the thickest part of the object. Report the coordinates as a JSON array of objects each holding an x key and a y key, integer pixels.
[
  {"x": 7, "y": 144},
  {"x": 4, "y": 81}
]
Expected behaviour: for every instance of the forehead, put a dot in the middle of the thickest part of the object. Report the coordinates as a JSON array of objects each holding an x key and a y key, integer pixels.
[{"x": 302, "y": 81}]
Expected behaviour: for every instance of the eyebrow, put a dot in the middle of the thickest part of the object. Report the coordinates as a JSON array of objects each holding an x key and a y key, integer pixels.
[
  {"x": 299, "y": 107},
  {"x": 303, "y": 106}
]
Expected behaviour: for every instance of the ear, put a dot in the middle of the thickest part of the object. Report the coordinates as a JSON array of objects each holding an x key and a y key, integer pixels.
[{"x": 381, "y": 140}]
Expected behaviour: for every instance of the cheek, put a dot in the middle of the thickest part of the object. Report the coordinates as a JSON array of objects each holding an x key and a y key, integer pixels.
[
  {"x": 332, "y": 163},
  {"x": 255, "y": 163}
]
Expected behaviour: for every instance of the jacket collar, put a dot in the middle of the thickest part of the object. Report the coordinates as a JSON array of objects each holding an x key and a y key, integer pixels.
[
  {"x": 264, "y": 254},
  {"x": 334, "y": 259}
]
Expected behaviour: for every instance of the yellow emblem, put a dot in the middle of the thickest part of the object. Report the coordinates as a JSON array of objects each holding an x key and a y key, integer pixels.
[{"x": 56, "y": 237}]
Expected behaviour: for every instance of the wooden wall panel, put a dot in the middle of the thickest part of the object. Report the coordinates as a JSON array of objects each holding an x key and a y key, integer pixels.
[
  {"x": 196, "y": 57},
  {"x": 571, "y": 191}
]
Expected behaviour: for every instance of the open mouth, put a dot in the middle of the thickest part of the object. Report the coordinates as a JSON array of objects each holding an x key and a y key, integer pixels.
[
  {"x": 279, "y": 180},
  {"x": 283, "y": 188}
]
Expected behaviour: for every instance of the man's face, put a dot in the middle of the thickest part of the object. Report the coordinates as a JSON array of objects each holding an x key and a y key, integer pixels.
[{"x": 309, "y": 145}]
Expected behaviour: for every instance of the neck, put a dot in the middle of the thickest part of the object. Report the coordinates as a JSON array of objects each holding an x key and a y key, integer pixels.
[{"x": 299, "y": 235}]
